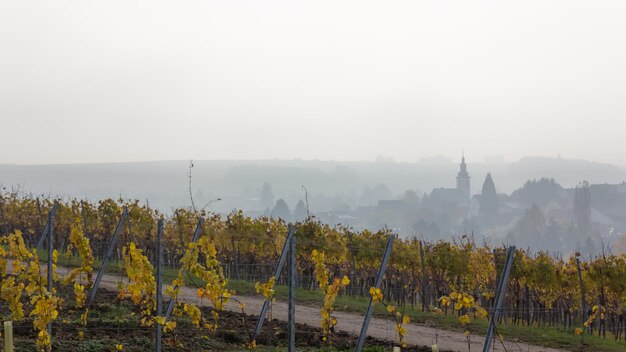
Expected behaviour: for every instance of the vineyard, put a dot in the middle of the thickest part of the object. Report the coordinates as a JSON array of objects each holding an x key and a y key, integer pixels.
[{"x": 453, "y": 284}]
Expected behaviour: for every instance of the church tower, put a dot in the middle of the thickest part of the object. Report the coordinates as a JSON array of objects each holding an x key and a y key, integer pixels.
[{"x": 463, "y": 180}]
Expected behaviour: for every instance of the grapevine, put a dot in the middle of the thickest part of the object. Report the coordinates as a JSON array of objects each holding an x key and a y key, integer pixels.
[
  {"x": 142, "y": 285},
  {"x": 211, "y": 273},
  {"x": 75, "y": 277},
  {"x": 331, "y": 290},
  {"x": 464, "y": 303},
  {"x": 543, "y": 289},
  {"x": 400, "y": 319}
]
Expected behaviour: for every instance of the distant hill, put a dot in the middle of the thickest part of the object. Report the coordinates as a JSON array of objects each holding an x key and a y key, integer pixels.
[
  {"x": 567, "y": 172},
  {"x": 165, "y": 183}
]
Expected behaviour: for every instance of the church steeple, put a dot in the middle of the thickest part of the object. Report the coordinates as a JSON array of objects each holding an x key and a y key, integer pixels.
[{"x": 463, "y": 179}]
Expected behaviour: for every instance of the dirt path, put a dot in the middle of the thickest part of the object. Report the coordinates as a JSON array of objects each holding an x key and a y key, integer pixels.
[{"x": 351, "y": 322}]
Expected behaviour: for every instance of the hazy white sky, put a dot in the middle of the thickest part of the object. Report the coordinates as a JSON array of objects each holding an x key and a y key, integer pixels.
[{"x": 95, "y": 81}]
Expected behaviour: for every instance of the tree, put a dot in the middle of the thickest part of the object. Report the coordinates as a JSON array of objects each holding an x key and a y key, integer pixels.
[
  {"x": 382, "y": 192},
  {"x": 552, "y": 236},
  {"x": 411, "y": 196},
  {"x": 540, "y": 192},
  {"x": 620, "y": 245},
  {"x": 430, "y": 230},
  {"x": 300, "y": 212},
  {"x": 582, "y": 209},
  {"x": 529, "y": 229},
  {"x": 489, "y": 200},
  {"x": 267, "y": 196},
  {"x": 589, "y": 248},
  {"x": 372, "y": 196},
  {"x": 367, "y": 196},
  {"x": 281, "y": 210}
]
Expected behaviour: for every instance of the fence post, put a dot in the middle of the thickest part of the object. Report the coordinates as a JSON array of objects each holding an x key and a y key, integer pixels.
[
  {"x": 292, "y": 295},
  {"x": 235, "y": 257},
  {"x": 495, "y": 264},
  {"x": 159, "y": 285},
  {"x": 279, "y": 267},
  {"x": 583, "y": 302},
  {"x": 424, "y": 282},
  {"x": 8, "y": 336},
  {"x": 510, "y": 255},
  {"x": 194, "y": 239},
  {"x": 107, "y": 256},
  {"x": 50, "y": 252},
  {"x": 370, "y": 307},
  {"x": 44, "y": 233}
]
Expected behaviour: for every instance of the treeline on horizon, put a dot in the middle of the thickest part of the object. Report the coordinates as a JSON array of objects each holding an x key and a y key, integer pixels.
[
  {"x": 544, "y": 289},
  {"x": 348, "y": 193},
  {"x": 539, "y": 215}
]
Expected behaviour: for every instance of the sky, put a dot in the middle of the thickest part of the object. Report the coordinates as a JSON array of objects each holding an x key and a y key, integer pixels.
[{"x": 92, "y": 81}]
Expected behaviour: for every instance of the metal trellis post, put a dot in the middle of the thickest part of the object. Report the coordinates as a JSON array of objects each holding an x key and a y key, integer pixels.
[
  {"x": 510, "y": 255},
  {"x": 107, "y": 256},
  {"x": 279, "y": 268},
  {"x": 424, "y": 282},
  {"x": 292, "y": 295},
  {"x": 159, "y": 285},
  {"x": 370, "y": 307},
  {"x": 583, "y": 303},
  {"x": 194, "y": 239},
  {"x": 50, "y": 251},
  {"x": 44, "y": 233}
]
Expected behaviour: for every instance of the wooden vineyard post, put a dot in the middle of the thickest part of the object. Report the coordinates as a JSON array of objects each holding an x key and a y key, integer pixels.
[
  {"x": 8, "y": 336},
  {"x": 279, "y": 267},
  {"x": 159, "y": 285},
  {"x": 194, "y": 239},
  {"x": 370, "y": 307},
  {"x": 107, "y": 256},
  {"x": 510, "y": 255},
  {"x": 46, "y": 229},
  {"x": 292, "y": 295}
]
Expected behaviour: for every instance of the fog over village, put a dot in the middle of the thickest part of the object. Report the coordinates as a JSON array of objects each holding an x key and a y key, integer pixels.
[
  {"x": 553, "y": 204},
  {"x": 348, "y": 105},
  {"x": 312, "y": 175}
]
